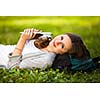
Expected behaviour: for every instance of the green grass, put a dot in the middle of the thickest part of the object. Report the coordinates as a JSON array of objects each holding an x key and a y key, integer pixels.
[{"x": 87, "y": 27}]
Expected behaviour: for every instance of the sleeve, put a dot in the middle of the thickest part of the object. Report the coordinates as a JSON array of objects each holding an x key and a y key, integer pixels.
[
  {"x": 39, "y": 61},
  {"x": 14, "y": 61}
]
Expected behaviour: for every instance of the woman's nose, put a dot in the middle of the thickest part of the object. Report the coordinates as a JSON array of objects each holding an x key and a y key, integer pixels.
[{"x": 58, "y": 42}]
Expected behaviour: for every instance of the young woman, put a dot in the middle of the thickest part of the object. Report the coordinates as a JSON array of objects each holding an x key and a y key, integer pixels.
[{"x": 34, "y": 51}]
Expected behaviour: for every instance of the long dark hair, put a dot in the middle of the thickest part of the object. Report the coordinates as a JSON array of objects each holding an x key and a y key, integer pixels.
[{"x": 78, "y": 49}]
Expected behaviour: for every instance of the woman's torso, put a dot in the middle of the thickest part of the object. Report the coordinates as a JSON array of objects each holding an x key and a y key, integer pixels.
[{"x": 34, "y": 55}]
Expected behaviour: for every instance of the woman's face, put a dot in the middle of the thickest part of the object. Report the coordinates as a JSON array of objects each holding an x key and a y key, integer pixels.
[{"x": 60, "y": 44}]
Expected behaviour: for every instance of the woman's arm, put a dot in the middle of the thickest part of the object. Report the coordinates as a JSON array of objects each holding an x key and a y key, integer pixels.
[
  {"x": 28, "y": 34},
  {"x": 19, "y": 47}
]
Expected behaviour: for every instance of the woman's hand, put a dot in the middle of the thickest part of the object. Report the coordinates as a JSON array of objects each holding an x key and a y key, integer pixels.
[{"x": 29, "y": 33}]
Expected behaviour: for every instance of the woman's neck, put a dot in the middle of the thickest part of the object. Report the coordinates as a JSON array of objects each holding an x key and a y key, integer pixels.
[{"x": 48, "y": 49}]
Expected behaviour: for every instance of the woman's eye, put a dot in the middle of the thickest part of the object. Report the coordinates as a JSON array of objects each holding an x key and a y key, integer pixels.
[{"x": 61, "y": 37}]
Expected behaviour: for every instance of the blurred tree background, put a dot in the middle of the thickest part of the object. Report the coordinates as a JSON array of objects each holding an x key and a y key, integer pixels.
[{"x": 88, "y": 27}]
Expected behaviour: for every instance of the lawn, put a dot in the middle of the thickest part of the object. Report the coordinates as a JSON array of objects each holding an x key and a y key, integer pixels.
[{"x": 88, "y": 27}]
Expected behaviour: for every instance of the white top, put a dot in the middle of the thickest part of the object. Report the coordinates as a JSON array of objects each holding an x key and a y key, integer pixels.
[{"x": 31, "y": 57}]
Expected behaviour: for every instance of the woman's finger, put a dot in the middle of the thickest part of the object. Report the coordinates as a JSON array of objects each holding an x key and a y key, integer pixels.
[
  {"x": 33, "y": 35},
  {"x": 26, "y": 30},
  {"x": 35, "y": 30}
]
